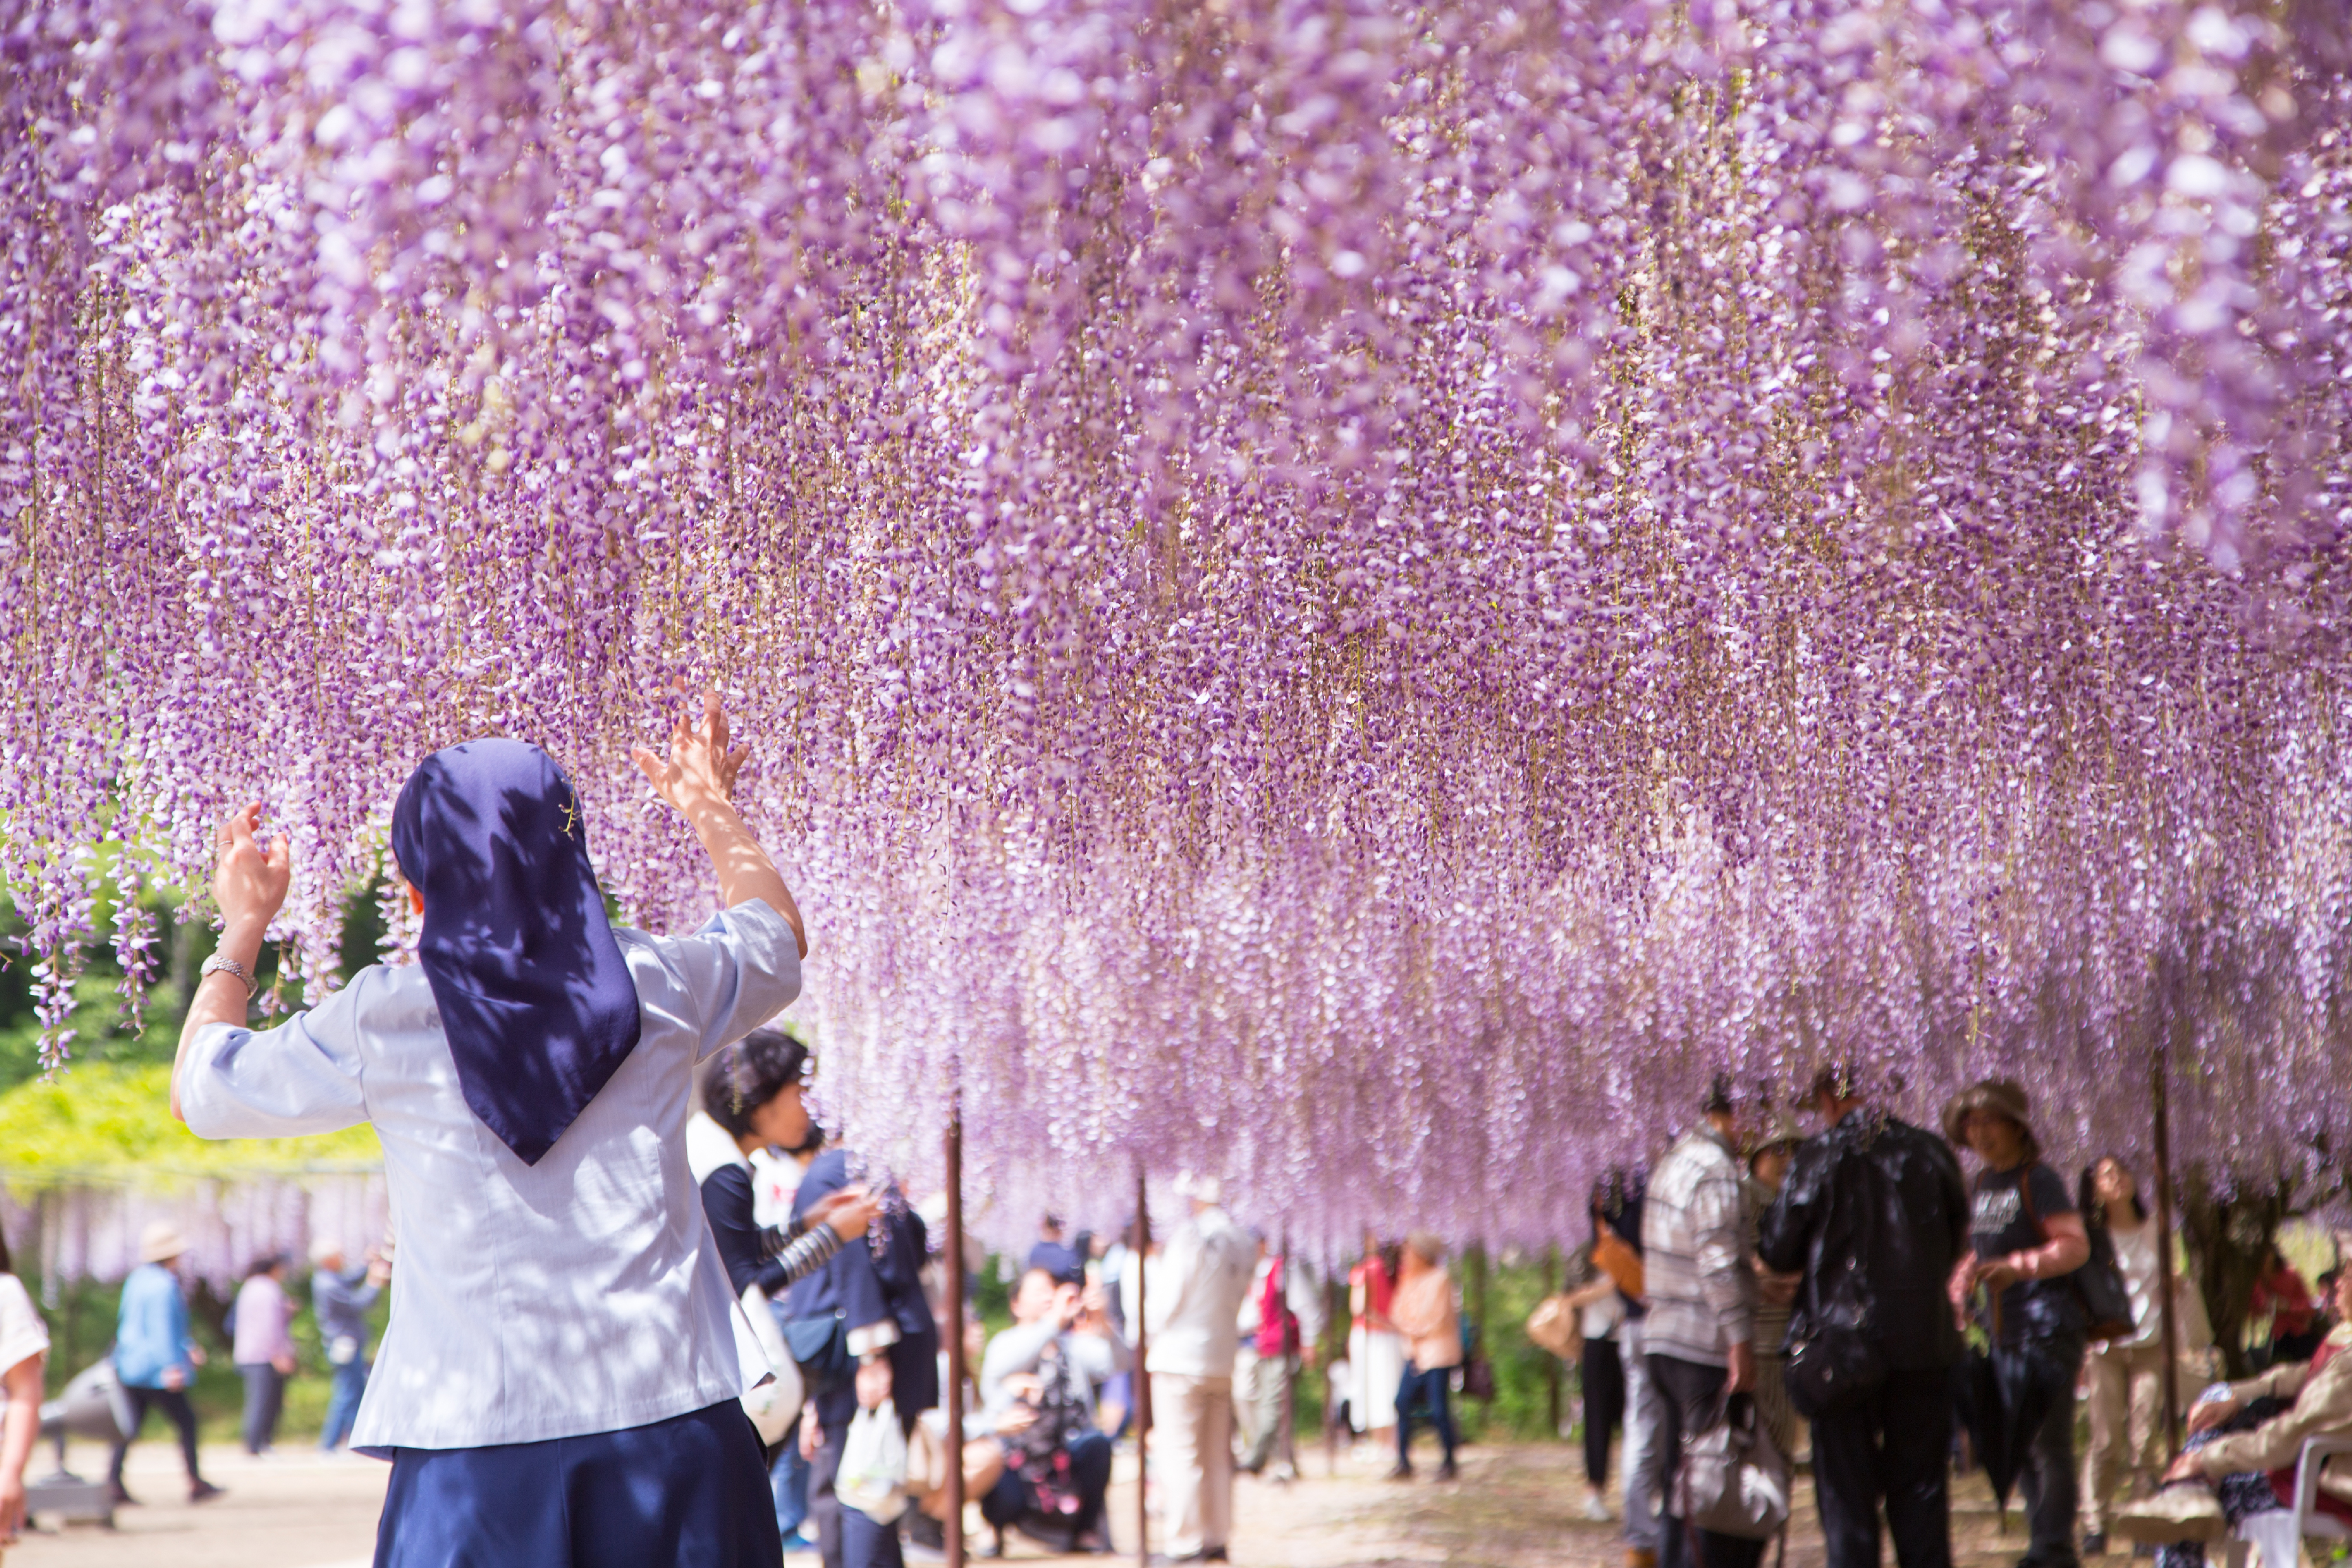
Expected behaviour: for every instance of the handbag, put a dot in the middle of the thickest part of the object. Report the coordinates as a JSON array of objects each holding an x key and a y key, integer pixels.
[
  {"x": 775, "y": 1403},
  {"x": 820, "y": 1348},
  {"x": 1734, "y": 1479},
  {"x": 2098, "y": 1283},
  {"x": 1557, "y": 1327}
]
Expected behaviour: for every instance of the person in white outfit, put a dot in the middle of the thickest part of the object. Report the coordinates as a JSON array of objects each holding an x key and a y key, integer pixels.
[{"x": 1189, "y": 1312}]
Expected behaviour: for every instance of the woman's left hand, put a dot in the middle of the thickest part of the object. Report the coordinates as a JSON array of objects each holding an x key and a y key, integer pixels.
[
  {"x": 2184, "y": 1468},
  {"x": 12, "y": 1506},
  {"x": 249, "y": 883}
]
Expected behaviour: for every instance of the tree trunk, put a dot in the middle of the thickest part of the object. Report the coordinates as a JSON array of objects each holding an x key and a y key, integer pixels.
[{"x": 2227, "y": 1238}]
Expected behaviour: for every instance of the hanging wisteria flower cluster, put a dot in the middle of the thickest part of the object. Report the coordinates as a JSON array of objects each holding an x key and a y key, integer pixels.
[{"x": 1359, "y": 594}]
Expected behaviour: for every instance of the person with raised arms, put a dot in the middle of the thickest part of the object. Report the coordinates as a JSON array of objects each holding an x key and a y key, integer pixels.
[{"x": 560, "y": 1382}]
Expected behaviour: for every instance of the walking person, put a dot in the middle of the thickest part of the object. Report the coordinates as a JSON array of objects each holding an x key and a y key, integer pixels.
[
  {"x": 1424, "y": 1312},
  {"x": 1875, "y": 1215},
  {"x": 1290, "y": 1325},
  {"x": 1375, "y": 1352},
  {"x": 1600, "y": 1364},
  {"x": 560, "y": 1379},
  {"x": 264, "y": 1351},
  {"x": 155, "y": 1359},
  {"x": 341, "y": 1301},
  {"x": 1190, "y": 1314},
  {"x": 24, "y": 1356},
  {"x": 1617, "y": 1249},
  {"x": 1700, "y": 1333},
  {"x": 2026, "y": 1237},
  {"x": 2126, "y": 1374}
]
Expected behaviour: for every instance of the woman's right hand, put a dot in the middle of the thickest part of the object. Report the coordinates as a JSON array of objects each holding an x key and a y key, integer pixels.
[
  {"x": 12, "y": 1506},
  {"x": 849, "y": 1211}
]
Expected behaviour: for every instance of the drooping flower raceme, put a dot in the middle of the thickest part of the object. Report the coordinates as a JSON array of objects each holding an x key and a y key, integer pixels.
[{"x": 1362, "y": 595}]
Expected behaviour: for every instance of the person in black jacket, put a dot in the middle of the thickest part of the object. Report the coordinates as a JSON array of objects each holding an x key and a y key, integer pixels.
[
  {"x": 1875, "y": 1215},
  {"x": 875, "y": 1290}
]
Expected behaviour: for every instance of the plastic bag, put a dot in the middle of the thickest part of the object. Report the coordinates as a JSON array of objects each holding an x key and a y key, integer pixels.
[{"x": 873, "y": 1475}]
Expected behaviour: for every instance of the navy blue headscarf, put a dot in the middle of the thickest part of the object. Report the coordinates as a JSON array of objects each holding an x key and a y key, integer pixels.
[{"x": 534, "y": 992}]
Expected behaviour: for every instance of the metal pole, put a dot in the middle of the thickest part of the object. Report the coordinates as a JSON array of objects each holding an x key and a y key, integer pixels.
[
  {"x": 2158, "y": 1074},
  {"x": 1142, "y": 1378},
  {"x": 953, "y": 1254}
]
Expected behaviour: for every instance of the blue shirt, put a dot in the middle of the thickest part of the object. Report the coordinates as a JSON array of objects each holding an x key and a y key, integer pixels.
[
  {"x": 151, "y": 1332},
  {"x": 341, "y": 1305}
]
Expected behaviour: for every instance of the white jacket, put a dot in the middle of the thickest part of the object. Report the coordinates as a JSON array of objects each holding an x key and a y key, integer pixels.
[{"x": 1195, "y": 1295}]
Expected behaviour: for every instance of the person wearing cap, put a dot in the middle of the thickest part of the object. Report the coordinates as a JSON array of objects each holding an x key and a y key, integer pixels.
[
  {"x": 154, "y": 1358},
  {"x": 1700, "y": 1332},
  {"x": 2027, "y": 1235},
  {"x": 1191, "y": 1314},
  {"x": 562, "y": 1378},
  {"x": 340, "y": 1301},
  {"x": 1063, "y": 1263},
  {"x": 1873, "y": 1214}
]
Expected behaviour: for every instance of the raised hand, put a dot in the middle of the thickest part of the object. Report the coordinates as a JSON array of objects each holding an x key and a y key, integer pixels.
[
  {"x": 698, "y": 778},
  {"x": 700, "y": 769},
  {"x": 249, "y": 883}
]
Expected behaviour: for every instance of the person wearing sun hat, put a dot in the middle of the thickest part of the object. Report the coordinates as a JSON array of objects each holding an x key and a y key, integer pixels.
[
  {"x": 2026, "y": 1237},
  {"x": 154, "y": 1359},
  {"x": 561, "y": 1377}
]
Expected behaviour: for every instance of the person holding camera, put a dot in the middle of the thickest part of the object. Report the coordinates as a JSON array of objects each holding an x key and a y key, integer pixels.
[{"x": 1047, "y": 1366}]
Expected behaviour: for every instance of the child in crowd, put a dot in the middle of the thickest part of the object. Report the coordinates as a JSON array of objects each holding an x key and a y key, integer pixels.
[{"x": 872, "y": 1483}]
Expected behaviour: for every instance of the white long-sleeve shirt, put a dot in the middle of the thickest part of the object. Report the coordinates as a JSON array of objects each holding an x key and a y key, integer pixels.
[
  {"x": 583, "y": 1294},
  {"x": 1195, "y": 1295},
  {"x": 1695, "y": 1252}
]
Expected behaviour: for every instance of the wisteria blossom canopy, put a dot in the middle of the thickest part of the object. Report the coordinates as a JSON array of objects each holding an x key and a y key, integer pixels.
[{"x": 1354, "y": 592}]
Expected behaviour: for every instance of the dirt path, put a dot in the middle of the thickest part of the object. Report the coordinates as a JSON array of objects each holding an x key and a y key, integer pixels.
[{"x": 1513, "y": 1507}]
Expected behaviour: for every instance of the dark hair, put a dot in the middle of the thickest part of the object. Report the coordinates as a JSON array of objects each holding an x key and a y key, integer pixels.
[
  {"x": 745, "y": 1076},
  {"x": 261, "y": 1266},
  {"x": 1842, "y": 1079},
  {"x": 1617, "y": 1204},
  {"x": 6, "y": 1266},
  {"x": 1719, "y": 1100},
  {"x": 2087, "y": 1197}
]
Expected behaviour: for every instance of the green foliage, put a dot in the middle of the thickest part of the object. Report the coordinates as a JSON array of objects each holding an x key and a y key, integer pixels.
[
  {"x": 100, "y": 1031},
  {"x": 110, "y": 1120}
]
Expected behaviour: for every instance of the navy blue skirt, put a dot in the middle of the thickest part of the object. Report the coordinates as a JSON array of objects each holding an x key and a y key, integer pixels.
[{"x": 687, "y": 1492}]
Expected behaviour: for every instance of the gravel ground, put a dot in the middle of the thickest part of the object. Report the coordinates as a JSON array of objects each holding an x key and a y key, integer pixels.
[{"x": 1515, "y": 1507}]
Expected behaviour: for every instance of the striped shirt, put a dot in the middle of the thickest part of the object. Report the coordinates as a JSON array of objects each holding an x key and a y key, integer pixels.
[{"x": 1695, "y": 1248}]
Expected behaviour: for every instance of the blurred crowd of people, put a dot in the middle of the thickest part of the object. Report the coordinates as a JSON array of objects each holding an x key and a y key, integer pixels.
[{"x": 1852, "y": 1295}]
